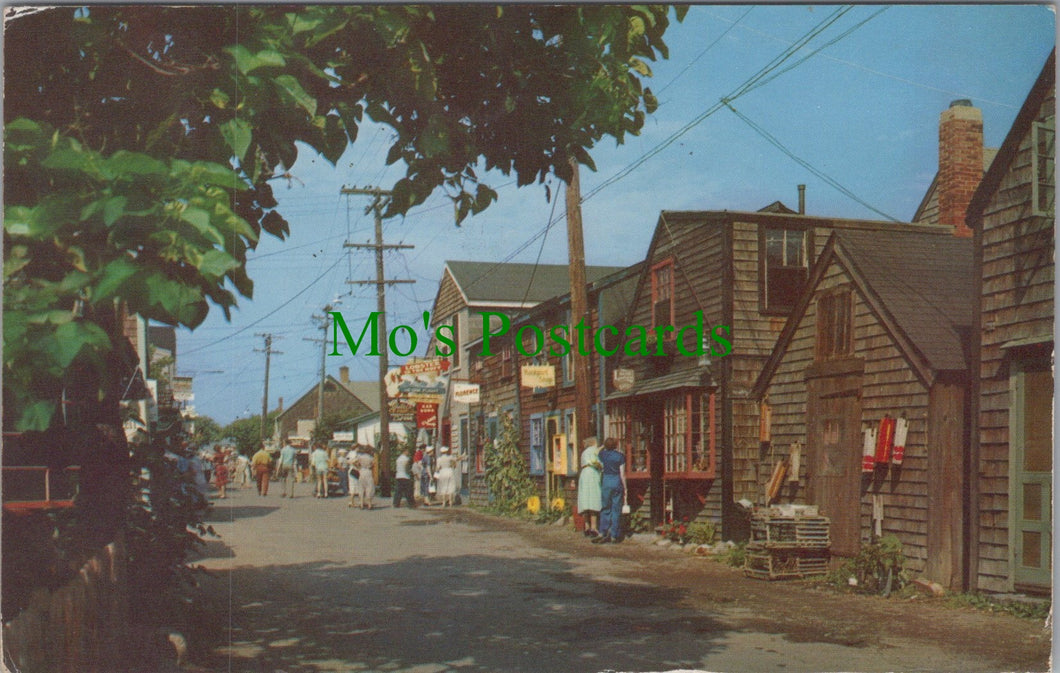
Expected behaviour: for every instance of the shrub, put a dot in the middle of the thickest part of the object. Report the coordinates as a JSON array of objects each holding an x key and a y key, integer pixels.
[
  {"x": 702, "y": 532},
  {"x": 877, "y": 569},
  {"x": 506, "y": 472},
  {"x": 736, "y": 556}
]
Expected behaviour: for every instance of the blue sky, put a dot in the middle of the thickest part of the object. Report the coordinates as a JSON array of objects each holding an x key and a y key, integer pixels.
[{"x": 863, "y": 111}]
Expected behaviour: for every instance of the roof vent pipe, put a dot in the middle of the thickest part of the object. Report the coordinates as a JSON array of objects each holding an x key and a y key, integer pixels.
[{"x": 802, "y": 199}]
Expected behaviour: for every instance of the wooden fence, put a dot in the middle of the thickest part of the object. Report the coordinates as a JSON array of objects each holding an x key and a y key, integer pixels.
[{"x": 81, "y": 627}]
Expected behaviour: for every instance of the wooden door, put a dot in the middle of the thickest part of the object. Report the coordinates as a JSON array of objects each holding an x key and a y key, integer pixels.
[
  {"x": 945, "y": 485},
  {"x": 1031, "y": 447},
  {"x": 833, "y": 421}
]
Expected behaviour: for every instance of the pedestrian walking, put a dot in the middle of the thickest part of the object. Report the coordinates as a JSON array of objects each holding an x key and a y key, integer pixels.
[
  {"x": 286, "y": 467},
  {"x": 220, "y": 472},
  {"x": 352, "y": 472},
  {"x": 589, "y": 479},
  {"x": 417, "y": 474},
  {"x": 337, "y": 466},
  {"x": 364, "y": 461},
  {"x": 403, "y": 480},
  {"x": 243, "y": 470},
  {"x": 612, "y": 492},
  {"x": 446, "y": 476},
  {"x": 319, "y": 461},
  {"x": 427, "y": 475},
  {"x": 262, "y": 465}
]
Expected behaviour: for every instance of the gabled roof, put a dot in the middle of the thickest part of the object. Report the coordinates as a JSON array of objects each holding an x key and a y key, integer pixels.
[
  {"x": 917, "y": 284},
  {"x": 615, "y": 293},
  {"x": 1028, "y": 113},
  {"x": 928, "y": 210},
  {"x": 778, "y": 207},
  {"x": 366, "y": 391},
  {"x": 517, "y": 283},
  {"x": 350, "y": 388}
]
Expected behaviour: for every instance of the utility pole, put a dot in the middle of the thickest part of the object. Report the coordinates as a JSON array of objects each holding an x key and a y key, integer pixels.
[
  {"x": 323, "y": 341},
  {"x": 379, "y": 199},
  {"x": 579, "y": 307},
  {"x": 265, "y": 396}
]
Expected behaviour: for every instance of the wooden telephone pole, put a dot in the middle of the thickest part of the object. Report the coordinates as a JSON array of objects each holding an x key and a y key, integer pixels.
[
  {"x": 579, "y": 308},
  {"x": 379, "y": 199},
  {"x": 265, "y": 395}
]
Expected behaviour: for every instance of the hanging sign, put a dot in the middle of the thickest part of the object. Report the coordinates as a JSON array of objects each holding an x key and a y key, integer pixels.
[
  {"x": 401, "y": 411},
  {"x": 466, "y": 393},
  {"x": 421, "y": 381},
  {"x": 623, "y": 379},
  {"x": 426, "y": 415},
  {"x": 538, "y": 376},
  {"x": 182, "y": 391}
]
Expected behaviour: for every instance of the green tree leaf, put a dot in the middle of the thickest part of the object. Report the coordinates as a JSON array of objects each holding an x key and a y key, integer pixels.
[
  {"x": 216, "y": 263},
  {"x": 290, "y": 88},
  {"x": 200, "y": 219},
  {"x": 237, "y": 134},
  {"x": 73, "y": 337}
]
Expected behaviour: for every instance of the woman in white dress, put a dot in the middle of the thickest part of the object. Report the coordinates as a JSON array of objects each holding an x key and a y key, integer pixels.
[
  {"x": 363, "y": 461},
  {"x": 447, "y": 476}
]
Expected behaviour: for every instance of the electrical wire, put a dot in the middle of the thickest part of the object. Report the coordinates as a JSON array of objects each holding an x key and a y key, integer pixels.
[
  {"x": 772, "y": 140},
  {"x": 267, "y": 315}
]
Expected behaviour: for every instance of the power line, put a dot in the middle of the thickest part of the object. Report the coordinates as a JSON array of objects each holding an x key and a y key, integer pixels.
[
  {"x": 736, "y": 93},
  {"x": 805, "y": 164},
  {"x": 704, "y": 52},
  {"x": 267, "y": 315}
]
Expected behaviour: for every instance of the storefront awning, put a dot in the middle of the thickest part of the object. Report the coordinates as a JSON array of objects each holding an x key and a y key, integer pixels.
[{"x": 688, "y": 378}]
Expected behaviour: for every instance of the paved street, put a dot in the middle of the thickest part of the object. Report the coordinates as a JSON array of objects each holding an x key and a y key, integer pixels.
[{"x": 310, "y": 585}]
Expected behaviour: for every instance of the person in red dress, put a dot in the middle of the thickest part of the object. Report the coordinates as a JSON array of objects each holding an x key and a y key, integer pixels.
[{"x": 221, "y": 472}]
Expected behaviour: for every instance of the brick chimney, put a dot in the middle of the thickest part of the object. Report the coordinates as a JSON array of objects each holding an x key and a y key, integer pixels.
[
  {"x": 960, "y": 163},
  {"x": 344, "y": 374},
  {"x": 279, "y": 405}
]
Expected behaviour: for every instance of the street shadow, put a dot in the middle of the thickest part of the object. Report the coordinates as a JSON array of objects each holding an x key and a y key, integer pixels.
[
  {"x": 221, "y": 512},
  {"x": 468, "y": 613},
  {"x": 212, "y": 548}
]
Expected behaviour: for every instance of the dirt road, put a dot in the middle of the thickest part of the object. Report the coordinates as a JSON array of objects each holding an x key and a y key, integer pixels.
[{"x": 309, "y": 585}]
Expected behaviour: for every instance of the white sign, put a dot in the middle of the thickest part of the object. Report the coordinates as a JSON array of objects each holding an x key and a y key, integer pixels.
[
  {"x": 624, "y": 379},
  {"x": 467, "y": 393},
  {"x": 539, "y": 376}
]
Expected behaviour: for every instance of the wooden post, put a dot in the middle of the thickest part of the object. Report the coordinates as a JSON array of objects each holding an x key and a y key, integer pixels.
[{"x": 579, "y": 309}]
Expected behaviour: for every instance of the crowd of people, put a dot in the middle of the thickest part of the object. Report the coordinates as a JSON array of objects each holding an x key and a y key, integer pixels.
[{"x": 419, "y": 479}]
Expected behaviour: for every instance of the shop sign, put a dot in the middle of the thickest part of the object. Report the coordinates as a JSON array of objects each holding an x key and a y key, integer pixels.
[
  {"x": 182, "y": 389},
  {"x": 466, "y": 393},
  {"x": 401, "y": 411},
  {"x": 538, "y": 376},
  {"x": 422, "y": 381},
  {"x": 624, "y": 379},
  {"x": 426, "y": 416}
]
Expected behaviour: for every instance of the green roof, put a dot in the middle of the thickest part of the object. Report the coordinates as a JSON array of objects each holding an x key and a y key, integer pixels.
[{"x": 517, "y": 283}]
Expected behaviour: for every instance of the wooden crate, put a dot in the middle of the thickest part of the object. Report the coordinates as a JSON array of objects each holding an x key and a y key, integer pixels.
[
  {"x": 791, "y": 532},
  {"x": 773, "y": 564}
]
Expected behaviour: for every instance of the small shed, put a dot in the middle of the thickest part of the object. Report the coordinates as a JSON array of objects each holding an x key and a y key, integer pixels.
[{"x": 879, "y": 340}]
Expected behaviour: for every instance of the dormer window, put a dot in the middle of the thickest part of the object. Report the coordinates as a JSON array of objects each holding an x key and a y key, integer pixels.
[{"x": 783, "y": 268}]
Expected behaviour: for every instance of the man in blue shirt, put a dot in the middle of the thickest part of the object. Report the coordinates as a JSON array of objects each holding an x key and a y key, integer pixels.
[
  {"x": 286, "y": 467},
  {"x": 612, "y": 492}
]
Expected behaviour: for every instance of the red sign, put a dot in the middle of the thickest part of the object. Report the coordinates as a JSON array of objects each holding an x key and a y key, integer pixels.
[{"x": 426, "y": 415}]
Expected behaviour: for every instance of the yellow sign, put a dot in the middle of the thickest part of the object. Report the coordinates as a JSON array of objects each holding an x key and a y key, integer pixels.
[{"x": 539, "y": 376}]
